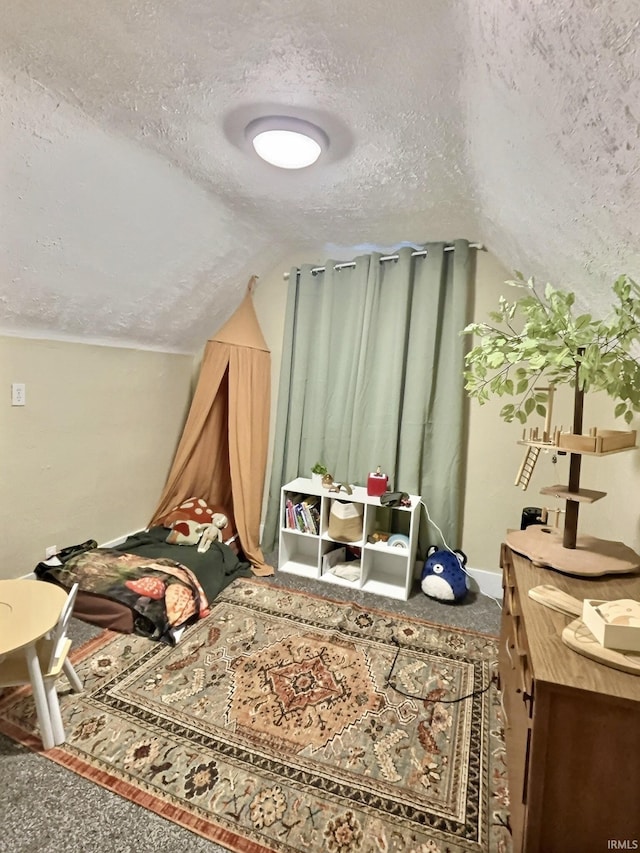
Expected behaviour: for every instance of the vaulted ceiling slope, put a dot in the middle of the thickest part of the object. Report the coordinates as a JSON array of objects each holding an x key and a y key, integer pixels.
[{"x": 133, "y": 214}]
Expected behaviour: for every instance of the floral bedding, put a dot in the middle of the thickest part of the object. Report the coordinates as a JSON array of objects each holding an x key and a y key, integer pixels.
[{"x": 163, "y": 594}]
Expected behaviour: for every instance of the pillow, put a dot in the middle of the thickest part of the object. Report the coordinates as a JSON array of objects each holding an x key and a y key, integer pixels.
[
  {"x": 197, "y": 510},
  {"x": 191, "y": 509},
  {"x": 185, "y": 533}
]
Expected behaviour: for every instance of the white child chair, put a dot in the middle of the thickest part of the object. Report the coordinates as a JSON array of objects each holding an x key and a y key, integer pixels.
[{"x": 52, "y": 652}]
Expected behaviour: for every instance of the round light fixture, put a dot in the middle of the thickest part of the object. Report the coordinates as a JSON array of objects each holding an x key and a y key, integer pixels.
[{"x": 287, "y": 142}]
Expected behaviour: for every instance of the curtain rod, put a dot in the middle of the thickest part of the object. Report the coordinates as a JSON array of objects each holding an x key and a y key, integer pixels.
[{"x": 419, "y": 254}]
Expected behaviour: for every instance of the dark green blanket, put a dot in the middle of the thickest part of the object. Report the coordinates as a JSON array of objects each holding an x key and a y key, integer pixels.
[{"x": 215, "y": 568}]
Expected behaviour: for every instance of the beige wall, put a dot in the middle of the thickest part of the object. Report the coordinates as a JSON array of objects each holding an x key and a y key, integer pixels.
[
  {"x": 88, "y": 455},
  {"x": 492, "y": 503}
]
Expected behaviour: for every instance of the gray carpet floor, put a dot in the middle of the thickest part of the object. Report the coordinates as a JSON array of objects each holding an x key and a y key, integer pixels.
[{"x": 45, "y": 808}]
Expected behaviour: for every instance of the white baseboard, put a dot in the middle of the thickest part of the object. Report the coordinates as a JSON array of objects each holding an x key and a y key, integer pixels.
[
  {"x": 488, "y": 583},
  {"x": 113, "y": 542}
]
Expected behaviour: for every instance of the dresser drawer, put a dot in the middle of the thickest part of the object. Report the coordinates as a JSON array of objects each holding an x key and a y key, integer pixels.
[
  {"x": 508, "y": 577},
  {"x": 568, "y": 794},
  {"x": 514, "y": 640},
  {"x": 523, "y": 664}
]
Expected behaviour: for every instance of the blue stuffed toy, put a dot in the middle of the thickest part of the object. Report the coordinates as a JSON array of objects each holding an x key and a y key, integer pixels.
[{"x": 443, "y": 575}]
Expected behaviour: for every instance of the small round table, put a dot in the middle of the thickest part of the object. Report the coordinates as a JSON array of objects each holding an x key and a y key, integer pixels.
[{"x": 29, "y": 609}]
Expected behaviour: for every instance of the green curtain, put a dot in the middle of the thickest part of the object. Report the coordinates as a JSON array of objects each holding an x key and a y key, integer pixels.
[{"x": 371, "y": 374}]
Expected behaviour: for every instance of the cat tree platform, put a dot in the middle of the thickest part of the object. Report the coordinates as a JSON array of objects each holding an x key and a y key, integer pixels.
[{"x": 590, "y": 558}]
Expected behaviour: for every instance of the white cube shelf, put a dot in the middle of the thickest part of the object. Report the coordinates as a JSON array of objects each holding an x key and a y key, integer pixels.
[{"x": 384, "y": 570}]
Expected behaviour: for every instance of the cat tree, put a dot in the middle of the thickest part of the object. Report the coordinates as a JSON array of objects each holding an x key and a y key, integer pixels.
[
  {"x": 570, "y": 553},
  {"x": 587, "y": 354}
]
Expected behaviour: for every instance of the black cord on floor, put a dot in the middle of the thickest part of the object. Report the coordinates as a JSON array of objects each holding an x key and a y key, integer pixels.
[{"x": 392, "y": 685}]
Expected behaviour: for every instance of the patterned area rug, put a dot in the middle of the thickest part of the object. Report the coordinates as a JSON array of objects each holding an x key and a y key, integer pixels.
[{"x": 271, "y": 727}]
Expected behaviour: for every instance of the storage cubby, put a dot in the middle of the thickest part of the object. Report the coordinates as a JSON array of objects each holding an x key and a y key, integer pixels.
[
  {"x": 385, "y": 569},
  {"x": 350, "y": 566},
  {"x": 299, "y": 553}
]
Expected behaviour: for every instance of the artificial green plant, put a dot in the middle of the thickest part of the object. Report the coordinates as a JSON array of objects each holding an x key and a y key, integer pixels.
[{"x": 538, "y": 338}]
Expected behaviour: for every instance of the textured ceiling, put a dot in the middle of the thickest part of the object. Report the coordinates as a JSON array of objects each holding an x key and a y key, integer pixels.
[{"x": 133, "y": 213}]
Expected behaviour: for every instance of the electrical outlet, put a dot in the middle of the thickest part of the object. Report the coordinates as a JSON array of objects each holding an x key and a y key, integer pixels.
[
  {"x": 18, "y": 394},
  {"x": 50, "y": 551}
]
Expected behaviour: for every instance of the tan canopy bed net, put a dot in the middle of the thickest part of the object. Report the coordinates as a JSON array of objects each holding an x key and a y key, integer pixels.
[
  {"x": 150, "y": 583},
  {"x": 222, "y": 454}
]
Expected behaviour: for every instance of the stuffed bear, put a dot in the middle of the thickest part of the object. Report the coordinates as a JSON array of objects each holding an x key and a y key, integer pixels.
[
  {"x": 213, "y": 532},
  {"x": 443, "y": 575}
]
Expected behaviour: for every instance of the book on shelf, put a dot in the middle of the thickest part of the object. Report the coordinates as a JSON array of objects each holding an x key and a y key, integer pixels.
[{"x": 303, "y": 514}]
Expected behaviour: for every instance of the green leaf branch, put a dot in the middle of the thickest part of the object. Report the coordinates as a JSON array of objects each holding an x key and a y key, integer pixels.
[{"x": 537, "y": 338}]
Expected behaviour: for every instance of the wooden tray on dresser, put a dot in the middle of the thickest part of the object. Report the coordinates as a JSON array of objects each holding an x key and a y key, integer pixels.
[{"x": 577, "y": 636}]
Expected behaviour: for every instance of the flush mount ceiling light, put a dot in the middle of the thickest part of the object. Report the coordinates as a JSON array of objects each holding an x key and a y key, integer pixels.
[{"x": 287, "y": 142}]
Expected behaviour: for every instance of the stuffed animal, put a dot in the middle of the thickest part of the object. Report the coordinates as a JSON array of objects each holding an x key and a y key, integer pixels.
[
  {"x": 443, "y": 575},
  {"x": 212, "y": 532}
]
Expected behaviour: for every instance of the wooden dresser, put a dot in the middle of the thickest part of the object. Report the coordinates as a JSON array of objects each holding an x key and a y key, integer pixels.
[{"x": 572, "y": 725}]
